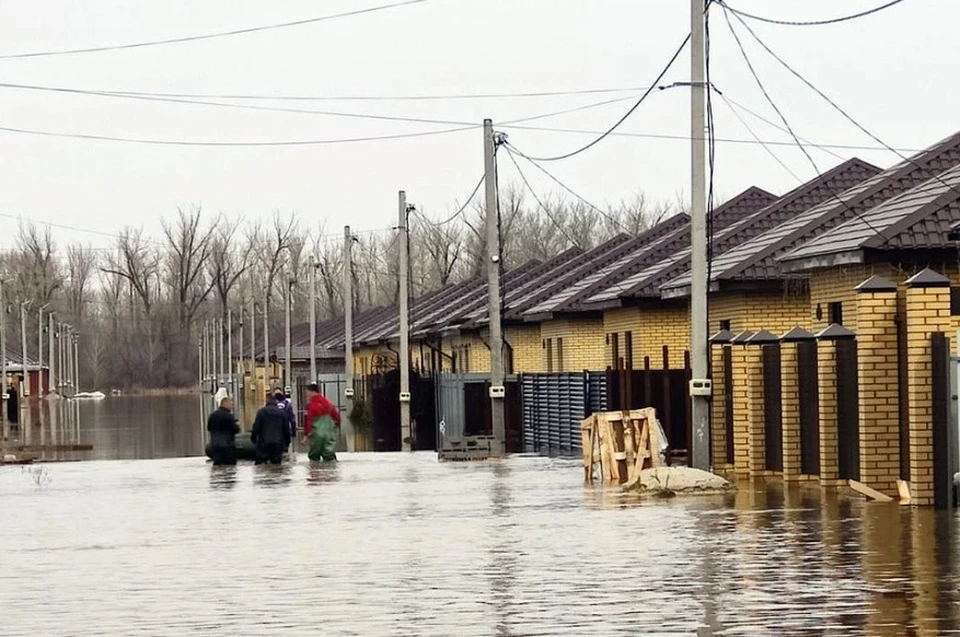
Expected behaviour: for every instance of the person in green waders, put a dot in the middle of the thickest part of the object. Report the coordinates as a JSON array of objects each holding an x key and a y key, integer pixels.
[{"x": 320, "y": 426}]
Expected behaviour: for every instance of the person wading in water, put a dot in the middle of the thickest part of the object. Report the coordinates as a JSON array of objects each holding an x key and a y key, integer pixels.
[
  {"x": 320, "y": 426},
  {"x": 271, "y": 433},
  {"x": 223, "y": 428}
]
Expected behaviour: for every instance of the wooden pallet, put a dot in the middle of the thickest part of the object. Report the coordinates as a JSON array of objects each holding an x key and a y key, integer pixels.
[{"x": 621, "y": 444}]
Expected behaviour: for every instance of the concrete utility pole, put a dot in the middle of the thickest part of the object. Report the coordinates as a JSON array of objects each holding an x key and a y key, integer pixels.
[
  {"x": 221, "y": 367},
  {"x": 253, "y": 348},
  {"x": 68, "y": 354},
  {"x": 313, "y": 319},
  {"x": 200, "y": 364},
  {"x": 23, "y": 345},
  {"x": 40, "y": 349},
  {"x": 76, "y": 360},
  {"x": 266, "y": 341},
  {"x": 348, "y": 335},
  {"x": 240, "y": 381},
  {"x": 493, "y": 285},
  {"x": 404, "y": 363},
  {"x": 3, "y": 350},
  {"x": 288, "y": 363},
  {"x": 229, "y": 361},
  {"x": 51, "y": 342},
  {"x": 699, "y": 385}
]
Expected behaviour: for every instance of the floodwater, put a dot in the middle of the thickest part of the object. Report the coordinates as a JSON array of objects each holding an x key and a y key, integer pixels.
[{"x": 396, "y": 544}]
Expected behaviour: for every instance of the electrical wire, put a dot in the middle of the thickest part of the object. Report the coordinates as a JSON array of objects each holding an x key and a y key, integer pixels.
[
  {"x": 933, "y": 174},
  {"x": 210, "y": 36},
  {"x": 626, "y": 115},
  {"x": 766, "y": 147},
  {"x": 459, "y": 212},
  {"x": 811, "y": 23},
  {"x": 766, "y": 94},
  {"x": 573, "y": 242},
  {"x": 734, "y": 105}
]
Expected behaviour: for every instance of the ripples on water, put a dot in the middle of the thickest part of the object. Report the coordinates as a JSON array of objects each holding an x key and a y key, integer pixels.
[{"x": 401, "y": 545}]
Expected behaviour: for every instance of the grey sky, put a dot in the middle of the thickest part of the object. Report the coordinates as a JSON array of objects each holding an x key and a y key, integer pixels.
[{"x": 893, "y": 71}]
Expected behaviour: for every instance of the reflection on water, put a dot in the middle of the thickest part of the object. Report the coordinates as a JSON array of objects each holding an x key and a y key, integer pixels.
[{"x": 396, "y": 544}]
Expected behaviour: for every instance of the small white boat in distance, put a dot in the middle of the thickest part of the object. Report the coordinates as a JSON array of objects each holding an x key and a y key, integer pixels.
[{"x": 90, "y": 394}]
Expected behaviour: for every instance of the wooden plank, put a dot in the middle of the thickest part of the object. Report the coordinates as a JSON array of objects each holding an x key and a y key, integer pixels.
[
  {"x": 586, "y": 438},
  {"x": 873, "y": 494},
  {"x": 904, "y": 488}
]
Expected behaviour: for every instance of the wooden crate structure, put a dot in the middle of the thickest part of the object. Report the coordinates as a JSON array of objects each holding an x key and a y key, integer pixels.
[{"x": 618, "y": 445}]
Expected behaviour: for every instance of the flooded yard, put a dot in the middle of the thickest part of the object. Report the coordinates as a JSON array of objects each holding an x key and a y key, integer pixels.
[{"x": 396, "y": 544}]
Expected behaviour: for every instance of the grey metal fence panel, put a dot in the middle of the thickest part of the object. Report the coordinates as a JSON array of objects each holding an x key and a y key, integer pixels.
[{"x": 554, "y": 405}]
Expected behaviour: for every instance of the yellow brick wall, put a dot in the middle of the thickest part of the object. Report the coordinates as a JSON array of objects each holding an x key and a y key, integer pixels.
[
  {"x": 741, "y": 414},
  {"x": 527, "y": 349},
  {"x": 928, "y": 311},
  {"x": 790, "y": 411},
  {"x": 718, "y": 412},
  {"x": 776, "y": 312},
  {"x": 829, "y": 431},
  {"x": 583, "y": 343},
  {"x": 756, "y": 432}
]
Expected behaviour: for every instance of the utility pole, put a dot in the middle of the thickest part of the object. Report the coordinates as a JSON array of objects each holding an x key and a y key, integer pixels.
[
  {"x": 241, "y": 385},
  {"x": 404, "y": 363},
  {"x": 348, "y": 334},
  {"x": 313, "y": 319},
  {"x": 200, "y": 364},
  {"x": 68, "y": 354},
  {"x": 229, "y": 360},
  {"x": 51, "y": 340},
  {"x": 699, "y": 385},
  {"x": 40, "y": 349},
  {"x": 288, "y": 367},
  {"x": 220, "y": 365},
  {"x": 3, "y": 352},
  {"x": 23, "y": 343},
  {"x": 253, "y": 348},
  {"x": 206, "y": 352},
  {"x": 266, "y": 341},
  {"x": 497, "y": 391},
  {"x": 76, "y": 360}
]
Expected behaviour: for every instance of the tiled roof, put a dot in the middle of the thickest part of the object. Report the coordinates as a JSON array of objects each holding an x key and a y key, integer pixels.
[
  {"x": 919, "y": 219},
  {"x": 644, "y": 251},
  {"x": 756, "y": 259},
  {"x": 646, "y": 283}
]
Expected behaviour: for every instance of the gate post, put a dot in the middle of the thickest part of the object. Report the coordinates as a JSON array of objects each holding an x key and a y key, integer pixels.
[
  {"x": 877, "y": 373},
  {"x": 829, "y": 411},
  {"x": 720, "y": 346},
  {"x": 790, "y": 396},
  {"x": 756, "y": 402},
  {"x": 928, "y": 312},
  {"x": 741, "y": 449}
]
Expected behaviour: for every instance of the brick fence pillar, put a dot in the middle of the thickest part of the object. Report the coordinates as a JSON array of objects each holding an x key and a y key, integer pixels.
[
  {"x": 877, "y": 373},
  {"x": 790, "y": 398},
  {"x": 756, "y": 402},
  {"x": 720, "y": 344},
  {"x": 741, "y": 416},
  {"x": 927, "y": 311},
  {"x": 829, "y": 413}
]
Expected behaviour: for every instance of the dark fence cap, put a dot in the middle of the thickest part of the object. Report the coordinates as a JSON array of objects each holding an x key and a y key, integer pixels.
[
  {"x": 723, "y": 336},
  {"x": 927, "y": 278},
  {"x": 763, "y": 337},
  {"x": 741, "y": 338},
  {"x": 835, "y": 332},
  {"x": 796, "y": 335},
  {"x": 876, "y": 284}
]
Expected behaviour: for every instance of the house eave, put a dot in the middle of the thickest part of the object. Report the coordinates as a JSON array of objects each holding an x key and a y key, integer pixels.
[{"x": 837, "y": 259}]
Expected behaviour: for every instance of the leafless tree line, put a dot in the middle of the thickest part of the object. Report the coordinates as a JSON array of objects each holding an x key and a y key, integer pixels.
[{"x": 139, "y": 305}]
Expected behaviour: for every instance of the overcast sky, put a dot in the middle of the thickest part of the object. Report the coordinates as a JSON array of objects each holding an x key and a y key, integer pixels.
[{"x": 894, "y": 71}]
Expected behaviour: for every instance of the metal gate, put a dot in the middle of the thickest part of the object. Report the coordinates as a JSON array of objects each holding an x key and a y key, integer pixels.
[
  {"x": 554, "y": 405},
  {"x": 728, "y": 402},
  {"x": 848, "y": 410},
  {"x": 772, "y": 408},
  {"x": 809, "y": 390}
]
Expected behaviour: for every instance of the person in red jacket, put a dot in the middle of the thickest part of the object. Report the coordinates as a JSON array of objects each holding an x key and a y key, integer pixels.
[{"x": 320, "y": 426}]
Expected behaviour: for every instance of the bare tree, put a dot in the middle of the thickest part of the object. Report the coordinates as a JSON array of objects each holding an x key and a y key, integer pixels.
[
  {"x": 81, "y": 265},
  {"x": 138, "y": 262},
  {"x": 189, "y": 246}
]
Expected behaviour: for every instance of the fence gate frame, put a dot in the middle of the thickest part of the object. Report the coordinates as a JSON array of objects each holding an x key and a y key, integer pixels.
[
  {"x": 809, "y": 391},
  {"x": 772, "y": 407},
  {"x": 848, "y": 408}
]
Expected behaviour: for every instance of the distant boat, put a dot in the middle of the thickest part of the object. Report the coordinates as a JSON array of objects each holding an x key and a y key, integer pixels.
[{"x": 88, "y": 394}]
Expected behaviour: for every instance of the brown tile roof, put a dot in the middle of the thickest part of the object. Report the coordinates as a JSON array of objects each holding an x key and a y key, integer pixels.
[
  {"x": 756, "y": 259},
  {"x": 646, "y": 283},
  {"x": 919, "y": 219},
  {"x": 645, "y": 251}
]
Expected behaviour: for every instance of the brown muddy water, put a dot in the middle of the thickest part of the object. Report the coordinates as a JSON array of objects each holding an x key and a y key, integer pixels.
[{"x": 146, "y": 538}]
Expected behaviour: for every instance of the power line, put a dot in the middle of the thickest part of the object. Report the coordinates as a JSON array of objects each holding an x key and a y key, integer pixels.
[
  {"x": 766, "y": 94},
  {"x": 210, "y": 36},
  {"x": 810, "y": 23},
  {"x": 459, "y": 212},
  {"x": 734, "y": 105},
  {"x": 556, "y": 224},
  {"x": 626, "y": 115},
  {"x": 765, "y": 146}
]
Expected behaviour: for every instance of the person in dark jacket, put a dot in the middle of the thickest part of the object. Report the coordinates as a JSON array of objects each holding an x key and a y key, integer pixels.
[
  {"x": 223, "y": 428},
  {"x": 271, "y": 433},
  {"x": 284, "y": 403}
]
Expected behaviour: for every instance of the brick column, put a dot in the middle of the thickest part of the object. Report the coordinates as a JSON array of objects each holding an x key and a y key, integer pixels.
[
  {"x": 928, "y": 311},
  {"x": 741, "y": 451},
  {"x": 877, "y": 371},
  {"x": 829, "y": 425},
  {"x": 718, "y": 404},
  {"x": 756, "y": 414},
  {"x": 790, "y": 388}
]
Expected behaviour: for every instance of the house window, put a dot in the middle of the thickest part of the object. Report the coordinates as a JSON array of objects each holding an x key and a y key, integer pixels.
[
  {"x": 559, "y": 354},
  {"x": 549, "y": 355},
  {"x": 955, "y": 301},
  {"x": 725, "y": 325},
  {"x": 836, "y": 312},
  {"x": 615, "y": 350},
  {"x": 628, "y": 346}
]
